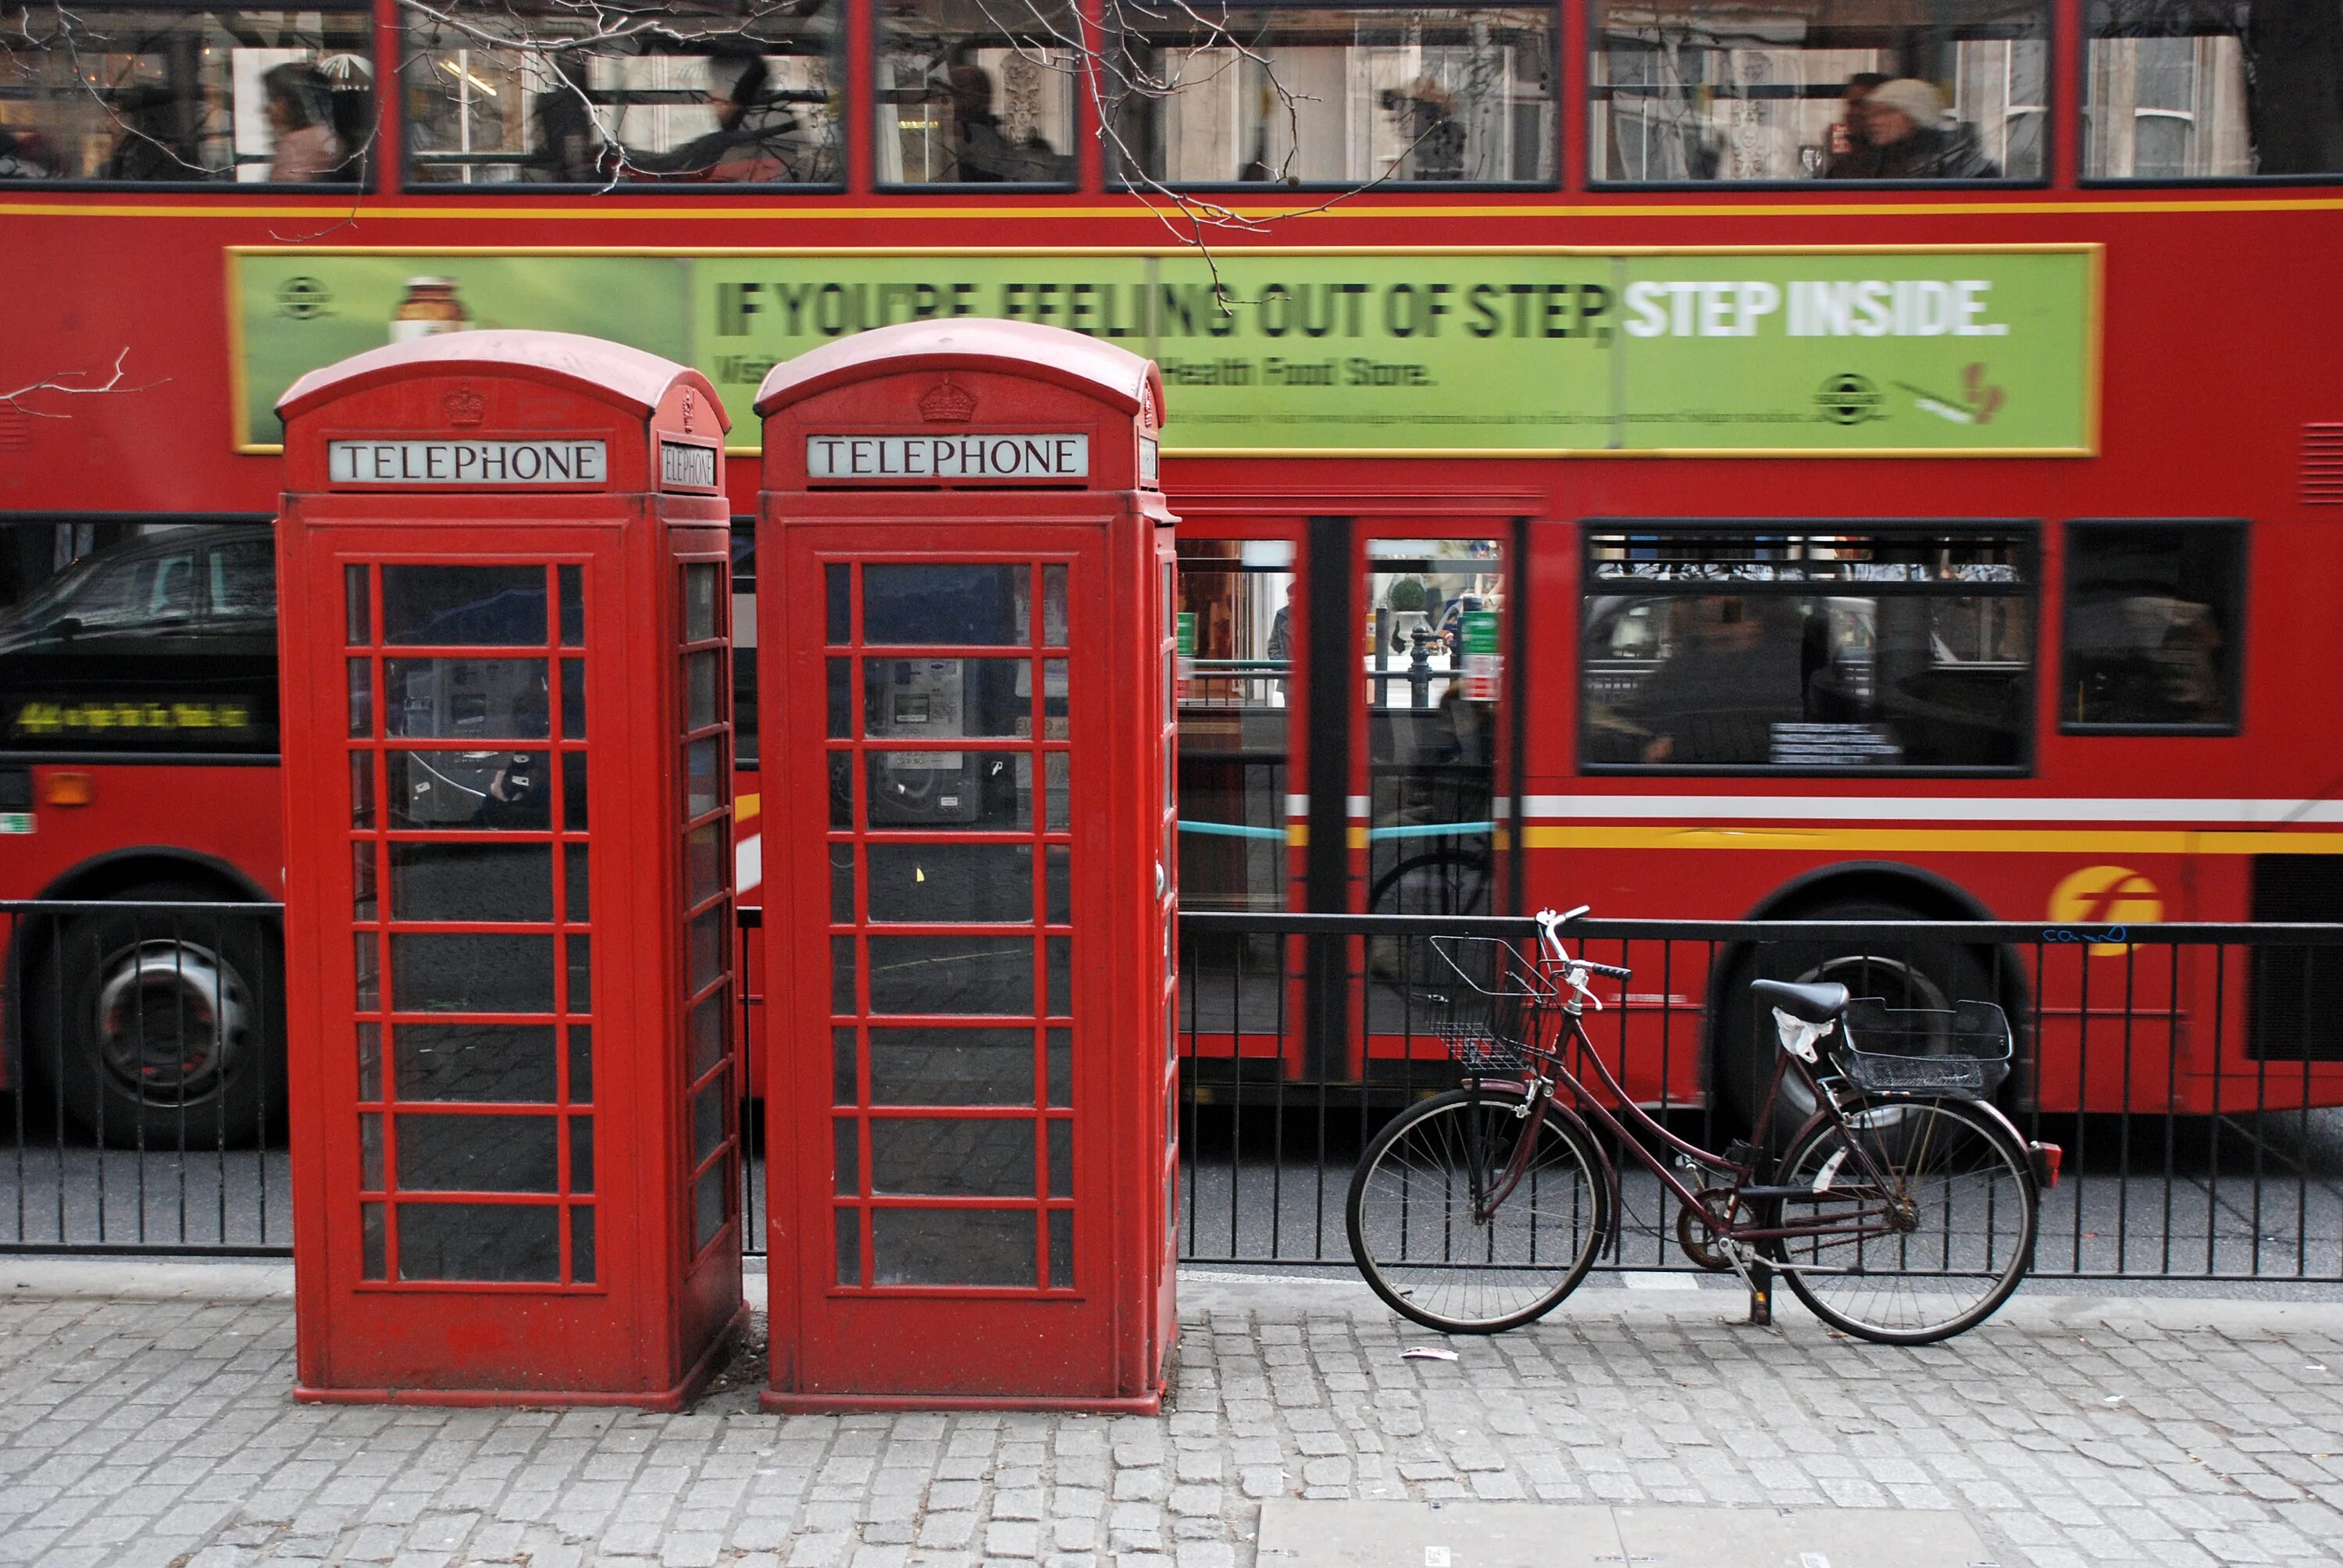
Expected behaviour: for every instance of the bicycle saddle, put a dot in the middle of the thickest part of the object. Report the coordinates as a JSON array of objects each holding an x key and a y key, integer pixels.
[{"x": 1812, "y": 1004}]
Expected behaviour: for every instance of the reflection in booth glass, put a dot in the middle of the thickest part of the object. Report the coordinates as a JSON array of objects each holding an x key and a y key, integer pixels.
[
  {"x": 171, "y": 92},
  {"x": 1698, "y": 90}
]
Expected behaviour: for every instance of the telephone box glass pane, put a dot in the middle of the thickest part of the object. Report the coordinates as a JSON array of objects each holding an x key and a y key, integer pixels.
[
  {"x": 850, "y": 1242},
  {"x": 1059, "y": 884},
  {"x": 582, "y": 973},
  {"x": 1056, "y": 767},
  {"x": 469, "y": 791},
  {"x": 1060, "y": 954},
  {"x": 709, "y": 947},
  {"x": 1061, "y": 1067},
  {"x": 702, "y": 684},
  {"x": 952, "y": 975},
  {"x": 708, "y": 1120},
  {"x": 953, "y": 1157},
  {"x": 944, "y": 604},
  {"x": 362, "y": 882},
  {"x": 573, "y": 699},
  {"x": 480, "y": 1063},
  {"x": 361, "y": 697},
  {"x": 361, "y": 789},
  {"x": 451, "y": 1153},
  {"x": 372, "y": 1234},
  {"x": 701, "y": 581},
  {"x": 358, "y": 611},
  {"x": 479, "y": 1241},
  {"x": 471, "y": 971},
  {"x": 846, "y": 1156},
  {"x": 581, "y": 1155},
  {"x": 703, "y": 862},
  {"x": 573, "y": 792},
  {"x": 837, "y": 595},
  {"x": 841, "y": 884},
  {"x": 466, "y": 699},
  {"x": 952, "y": 883},
  {"x": 370, "y": 1061},
  {"x": 703, "y": 776},
  {"x": 939, "y": 700},
  {"x": 709, "y": 1204},
  {"x": 704, "y": 1033},
  {"x": 368, "y": 959},
  {"x": 473, "y": 881},
  {"x": 952, "y": 1246},
  {"x": 1053, "y": 701},
  {"x": 1061, "y": 1248},
  {"x": 577, "y": 899},
  {"x": 841, "y": 975},
  {"x": 581, "y": 1245},
  {"x": 1061, "y": 1159},
  {"x": 1053, "y": 606},
  {"x": 987, "y": 791},
  {"x": 581, "y": 1063},
  {"x": 951, "y": 1067},
  {"x": 842, "y": 1067},
  {"x": 370, "y": 1166},
  {"x": 464, "y": 607},
  {"x": 573, "y": 618}
]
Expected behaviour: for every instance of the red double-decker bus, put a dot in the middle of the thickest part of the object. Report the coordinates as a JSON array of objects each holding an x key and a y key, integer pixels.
[{"x": 1697, "y": 458}]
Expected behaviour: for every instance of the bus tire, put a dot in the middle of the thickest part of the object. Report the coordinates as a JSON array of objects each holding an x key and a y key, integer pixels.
[
  {"x": 1742, "y": 1064},
  {"x": 157, "y": 1029}
]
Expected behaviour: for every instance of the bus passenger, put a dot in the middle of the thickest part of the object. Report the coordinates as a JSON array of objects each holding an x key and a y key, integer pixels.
[
  {"x": 300, "y": 110},
  {"x": 1853, "y": 155},
  {"x": 1732, "y": 675},
  {"x": 750, "y": 143},
  {"x": 1906, "y": 121}
]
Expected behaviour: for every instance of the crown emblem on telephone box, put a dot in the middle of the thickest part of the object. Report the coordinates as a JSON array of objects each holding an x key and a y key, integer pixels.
[
  {"x": 948, "y": 404},
  {"x": 464, "y": 406}
]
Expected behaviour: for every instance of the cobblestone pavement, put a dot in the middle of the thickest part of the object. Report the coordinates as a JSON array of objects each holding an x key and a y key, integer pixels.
[{"x": 145, "y": 1418}]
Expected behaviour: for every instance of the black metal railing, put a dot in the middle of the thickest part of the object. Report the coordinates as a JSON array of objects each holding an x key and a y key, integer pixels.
[
  {"x": 2190, "y": 1072},
  {"x": 2187, "y": 1070}
]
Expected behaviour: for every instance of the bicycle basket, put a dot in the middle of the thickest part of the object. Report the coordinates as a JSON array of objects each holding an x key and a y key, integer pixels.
[
  {"x": 1497, "y": 1006},
  {"x": 1885, "y": 1049}
]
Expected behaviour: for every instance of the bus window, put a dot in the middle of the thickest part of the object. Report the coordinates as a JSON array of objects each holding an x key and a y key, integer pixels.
[
  {"x": 2197, "y": 91},
  {"x": 550, "y": 93},
  {"x": 2154, "y": 612},
  {"x": 128, "y": 93},
  {"x": 1338, "y": 95},
  {"x": 1806, "y": 653},
  {"x": 1696, "y": 90},
  {"x": 977, "y": 92},
  {"x": 148, "y": 638}
]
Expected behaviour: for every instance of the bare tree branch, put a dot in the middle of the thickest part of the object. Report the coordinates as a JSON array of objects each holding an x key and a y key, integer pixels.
[{"x": 75, "y": 383}]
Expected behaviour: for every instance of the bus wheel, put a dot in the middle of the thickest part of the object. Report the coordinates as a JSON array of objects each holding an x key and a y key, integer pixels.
[
  {"x": 1902, "y": 973},
  {"x": 160, "y": 1030}
]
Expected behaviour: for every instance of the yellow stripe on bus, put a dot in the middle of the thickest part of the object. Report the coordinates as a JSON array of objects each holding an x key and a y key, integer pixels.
[{"x": 1931, "y": 841}]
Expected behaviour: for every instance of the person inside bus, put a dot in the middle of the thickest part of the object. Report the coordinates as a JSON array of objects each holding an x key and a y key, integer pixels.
[
  {"x": 1733, "y": 674},
  {"x": 22, "y": 155},
  {"x": 983, "y": 152},
  {"x": 300, "y": 111},
  {"x": 752, "y": 141},
  {"x": 1853, "y": 154},
  {"x": 571, "y": 146},
  {"x": 1904, "y": 120}
]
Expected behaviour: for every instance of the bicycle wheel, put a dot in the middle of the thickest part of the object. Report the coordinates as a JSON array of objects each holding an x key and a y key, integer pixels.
[
  {"x": 1961, "y": 1200},
  {"x": 1417, "y": 1239}
]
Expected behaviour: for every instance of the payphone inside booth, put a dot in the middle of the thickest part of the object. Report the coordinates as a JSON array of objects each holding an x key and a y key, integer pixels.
[
  {"x": 965, "y": 665},
  {"x": 503, "y": 567}
]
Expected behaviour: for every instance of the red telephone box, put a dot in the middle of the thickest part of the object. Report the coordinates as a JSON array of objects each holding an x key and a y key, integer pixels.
[
  {"x": 504, "y": 574},
  {"x": 967, "y": 649}
]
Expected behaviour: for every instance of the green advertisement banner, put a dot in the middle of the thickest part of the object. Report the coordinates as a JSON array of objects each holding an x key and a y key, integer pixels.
[{"x": 1853, "y": 352}]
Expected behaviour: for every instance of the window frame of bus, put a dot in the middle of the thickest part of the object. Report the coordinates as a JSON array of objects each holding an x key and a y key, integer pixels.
[
  {"x": 2025, "y": 531},
  {"x": 2081, "y": 87},
  {"x": 1558, "y": 33},
  {"x": 370, "y": 161},
  {"x": 413, "y": 182},
  {"x": 39, "y": 517},
  {"x": 2232, "y": 606},
  {"x": 1082, "y": 121},
  {"x": 2053, "y": 121}
]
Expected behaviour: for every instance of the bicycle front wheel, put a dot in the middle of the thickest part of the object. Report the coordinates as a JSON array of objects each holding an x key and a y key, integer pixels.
[
  {"x": 1933, "y": 1249},
  {"x": 1418, "y": 1231}
]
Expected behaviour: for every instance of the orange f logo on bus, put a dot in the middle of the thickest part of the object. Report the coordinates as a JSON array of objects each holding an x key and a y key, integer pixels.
[{"x": 2097, "y": 900}]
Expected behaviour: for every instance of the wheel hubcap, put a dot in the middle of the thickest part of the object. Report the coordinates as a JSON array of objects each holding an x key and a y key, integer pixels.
[{"x": 172, "y": 1018}]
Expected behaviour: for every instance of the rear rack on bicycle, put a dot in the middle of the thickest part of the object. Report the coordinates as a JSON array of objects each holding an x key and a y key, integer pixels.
[{"x": 1964, "y": 1051}]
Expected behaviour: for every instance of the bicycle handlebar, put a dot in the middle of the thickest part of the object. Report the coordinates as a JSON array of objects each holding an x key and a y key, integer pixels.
[{"x": 1549, "y": 926}]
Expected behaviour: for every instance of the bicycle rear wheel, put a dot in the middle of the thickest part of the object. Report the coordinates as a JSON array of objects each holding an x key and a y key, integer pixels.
[
  {"x": 1965, "y": 1204},
  {"x": 1416, "y": 1238}
]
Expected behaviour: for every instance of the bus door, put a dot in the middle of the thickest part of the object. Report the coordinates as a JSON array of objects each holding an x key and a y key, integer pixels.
[
  {"x": 1240, "y": 610},
  {"x": 1432, "y": 760}
]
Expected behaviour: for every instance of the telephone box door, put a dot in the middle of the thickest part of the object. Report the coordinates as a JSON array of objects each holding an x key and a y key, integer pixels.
[{"x": 940, "y": 932}]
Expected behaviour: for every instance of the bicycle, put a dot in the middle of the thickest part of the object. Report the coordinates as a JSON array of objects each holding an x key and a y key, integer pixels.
[{"x": 1903, "y": 1211}]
